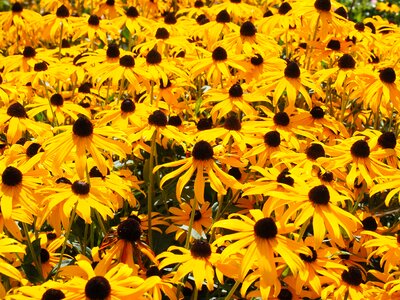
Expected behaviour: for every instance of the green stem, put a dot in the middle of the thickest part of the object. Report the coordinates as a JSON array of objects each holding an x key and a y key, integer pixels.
[
  {"x": 68, "y": 231},
  {"x": 233, "y": 290},
  {"x": 150, "y": 193},
  {"x": 303, "y": 230},
  {"x": 60, "y": 45},
  {"x": 36, "y": 259},
  {"x": 195, "y": 294},
  {"x": 191, "y": 221},
  {"x": 309, "y": 49}
]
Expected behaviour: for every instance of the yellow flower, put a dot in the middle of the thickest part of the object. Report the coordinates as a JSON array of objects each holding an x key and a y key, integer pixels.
[
  {"x": 202, "y": 160},
  {"x": 84, "y": 137},
  {"x": 260, "y": 238},
  {"x": 199, "y": 261}
]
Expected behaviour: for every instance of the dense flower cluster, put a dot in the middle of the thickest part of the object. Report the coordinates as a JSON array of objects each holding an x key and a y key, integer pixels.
[{"x": 218, "y": 149}]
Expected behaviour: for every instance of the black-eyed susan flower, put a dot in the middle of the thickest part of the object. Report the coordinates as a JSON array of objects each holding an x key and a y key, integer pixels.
[
  {"x": 202, "y": 160},
  {"x": 79, "y": 196},
  {"x": 293, "y": 80},
  {"x": 317, "y": 204},
  {"x": 351, "y": 283},
  {"x": 125, "y": 246},
  {"x": 15, "y": 122},
  {"x": 120, "y": 282},
  {"x": 57, "y": 108},
  {"x": 216, "y": 65},
  {"x": 356, "y": 153},
  {"x": 260, "y": 237},
  {"x": 181, "y": 217},
  {"x": 198, "y": 261},
  {"x": 82, "y": 137},
  {"x": 18, "y": 186}
]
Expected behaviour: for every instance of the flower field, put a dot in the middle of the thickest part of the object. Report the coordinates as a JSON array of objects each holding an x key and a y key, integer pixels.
[{"x": 181, "y": 149}]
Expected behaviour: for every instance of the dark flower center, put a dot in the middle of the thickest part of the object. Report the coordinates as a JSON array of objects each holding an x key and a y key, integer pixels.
[
  {"x": 346, "y": 62},
  {"x": 204, "y": 124},
  {"x": 198, "y": 4},
  {"x": 327, "y": 176},
  {"x": 360, "y": 149},
  {"x": 110, "y": 2},
  {"x": 62, "y": 12},
  {"x": 303, "y": 45},
  {"x": 359, "y": 26},
  {"x": 257, "y": 60},
  {"x": 219, "y": 54},
  {"x": 285, "y": 294},
  {"x": 323, "y": 5},
  {"x": 17, "y": 7},
  {"x": 94, "y": 20},
  {"x": 202, "y": 151},
  {"x": 153, "y": 271},
  {"x": 40, "y": 67},
  {"x": 51, "y": 236},
  {"x": 387, "y": 75},
  {"x": 162, "y": 33},
  {"x": 129, "y": 230},
  {"x": 353, "y": 276},
  {"x": 29, "y": 52},
  {"x": 65, "y": 44},
  {"x": 63, "y": 180},
  {"x": 127, "y": 61},
  {"x": 235, "y": 172},
  {"x": 309, "y": 258},
  {"x": 341, "y": 12},
  {"x": 158, "y": 118},
  {"x": 82, "y": 127},
  {"x": 236, "y": 1},
  {"x": 387, "y": 140},
  {"x": 80, "y": 187},
  {"x": 223, "y": 17},
  {"x": 267, "y": 14},
  {"x": 284, "y": 8},
  {"x": 128, "y": 106},
  {"x": 285, "y": 178},
  {"x": 200, "y": 249},
  {"x": 44, "y": 255},
  {"x": 33, "y": 149},
  {"x": 265, "y": 228},
  {"x": 236, "y": 91},
  {"x": 197, "y": 215},
  {"x": 175, "y": 121},
  {"x": 113, "y": 51},
  {"x": 95, "y": 172},
  {"x": 132, "y": 12},
  {"x": 11, "y": 176},
  {"x": 319, "y": 195},
  {"x": 202, "y": 19},
  {"x": 292, "y": 70},
  {"x": 314, "y": 151},
  {"x": 232, "y": 123},
  {"x": 317, "y": 112},
  {"x": 281, "y": 119},
  {"x": 170, "y": 18},
  {"x": 16, "y": 110},
  {"x": 272, "y": 138},
  {"x": 334, "y": 45},
  {"x": 97, "y": 288},
  {"x": 85, "y": 87},
  {"x": 57, "y": 100},
  {"x": 369, "y": 223},
  {"x": 53, "y": 294},
  {"x": 248, "y": 29},
  {"x": 153, "y": 57}
]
